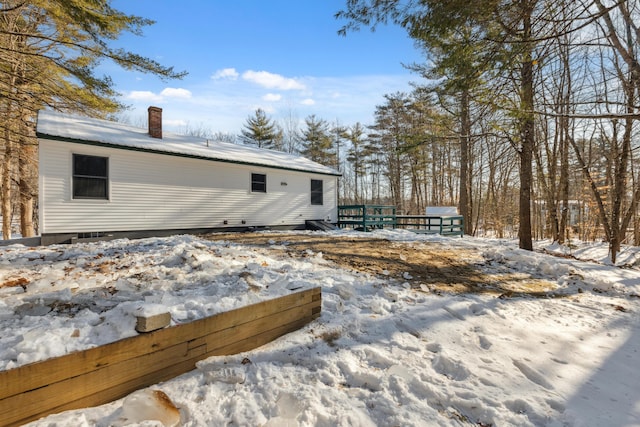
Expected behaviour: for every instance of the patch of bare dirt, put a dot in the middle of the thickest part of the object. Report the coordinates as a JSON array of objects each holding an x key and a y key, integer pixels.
[{"x": 427, "y": 266}]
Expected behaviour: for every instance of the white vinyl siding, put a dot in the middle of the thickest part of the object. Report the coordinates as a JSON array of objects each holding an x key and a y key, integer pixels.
[{"x": 162, "y": 192}]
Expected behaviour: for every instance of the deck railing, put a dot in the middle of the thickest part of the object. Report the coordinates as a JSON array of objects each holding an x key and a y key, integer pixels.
[
  {"x": 450, "y": 225},
  {"x": 366, "y": 217},
  {"x": 371, "y": 217}
]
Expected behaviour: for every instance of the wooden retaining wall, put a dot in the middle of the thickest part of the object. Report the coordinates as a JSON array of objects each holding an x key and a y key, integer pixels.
[{"x": 109, "y": 372}]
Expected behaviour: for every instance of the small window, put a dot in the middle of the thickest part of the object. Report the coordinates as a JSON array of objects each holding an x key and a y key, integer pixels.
[
  {"x": 316, "y": 191},
  {"x": 90, "y": 177},
  {"x": 258, "y": 183}
]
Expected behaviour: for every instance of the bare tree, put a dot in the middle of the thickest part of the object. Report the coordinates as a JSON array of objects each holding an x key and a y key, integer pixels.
[{"x": 291, "y": 132}]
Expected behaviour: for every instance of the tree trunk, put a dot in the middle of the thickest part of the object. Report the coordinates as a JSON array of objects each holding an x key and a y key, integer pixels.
[
  {"x": 5, "y": 209},
  {"x": 527, "y": 140},
  {"x": 465, "y": 181},
  {"x": 26, "y": 216},
  {"x": 565, "y": 213},
  {"x": 28, "y": 178}
]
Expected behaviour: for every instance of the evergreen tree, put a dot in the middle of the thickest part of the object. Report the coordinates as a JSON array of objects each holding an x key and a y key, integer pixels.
[
  {"x": 509, "y": 32},
  {"x": 261, "y": 131},
  {"x": 457, "y": 63},
  {"x": 356, "y": 155},
  {"x": 48, "y": 53},
  {"x": 317, "y": 143}
]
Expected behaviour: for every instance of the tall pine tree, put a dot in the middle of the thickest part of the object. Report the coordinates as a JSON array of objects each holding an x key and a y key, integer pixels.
[
  {"x": 317, "y": 143},
  {"x": 48, "y": 53},
  {"x": 510, "y": 32},
  {"x": 261, "y": 131}
]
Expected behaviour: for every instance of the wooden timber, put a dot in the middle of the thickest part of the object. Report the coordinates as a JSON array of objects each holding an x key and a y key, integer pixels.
[{"x": 102, "y": 374}]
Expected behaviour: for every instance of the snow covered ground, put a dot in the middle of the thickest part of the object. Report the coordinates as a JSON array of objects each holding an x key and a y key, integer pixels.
[{"x": 381, "y": 354}]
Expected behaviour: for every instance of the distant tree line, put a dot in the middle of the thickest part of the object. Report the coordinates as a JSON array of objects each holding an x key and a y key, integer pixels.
[
  {"x": 540, "y": 99},
  {"x": 529, "y": 124}
]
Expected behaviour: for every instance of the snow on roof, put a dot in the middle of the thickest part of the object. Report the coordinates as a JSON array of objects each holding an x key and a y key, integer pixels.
[{"x": 84, "y": 129}]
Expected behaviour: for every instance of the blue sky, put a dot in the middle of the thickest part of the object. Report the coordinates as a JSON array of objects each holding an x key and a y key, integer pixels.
[{"x": 283, "y": 56}]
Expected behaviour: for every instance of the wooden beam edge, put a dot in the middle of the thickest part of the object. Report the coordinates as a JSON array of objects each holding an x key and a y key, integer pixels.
[
  {"x": 193, "y": 349},
  {"x": 40, "y": 374}
]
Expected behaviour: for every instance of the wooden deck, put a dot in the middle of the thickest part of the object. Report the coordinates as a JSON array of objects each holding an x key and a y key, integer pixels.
[
  {"x": 371, "y": 217},
  {"x": 366, "y": 217},
  {"x": 450, "y": 225}
]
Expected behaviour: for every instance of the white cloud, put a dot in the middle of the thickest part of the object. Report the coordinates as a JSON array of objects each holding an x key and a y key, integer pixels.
[
  {"x": 272, "y": 97},
  {"x": 225, "y": 107},
  {"x": 147, "y": 96},
  {"x": 225, "y": 73},
  {"x": 269, "y": 109},
  {"x": 144, "y": 95},
  {"x": 272, "y": 81},
  {"x": 171, "y": 92}
]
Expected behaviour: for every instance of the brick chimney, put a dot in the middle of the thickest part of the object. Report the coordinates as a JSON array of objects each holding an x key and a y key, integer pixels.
[{"x": 155, "y": 122}]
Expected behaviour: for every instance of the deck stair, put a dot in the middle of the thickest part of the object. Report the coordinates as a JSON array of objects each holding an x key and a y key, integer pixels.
[{"x": 320, "y": 225}]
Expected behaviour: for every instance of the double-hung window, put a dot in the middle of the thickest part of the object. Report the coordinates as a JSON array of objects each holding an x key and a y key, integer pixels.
[
  {"x": 90, "y": 177},
  {"x": 258, "y": 183},
  {"x": 316, "y": 192}
]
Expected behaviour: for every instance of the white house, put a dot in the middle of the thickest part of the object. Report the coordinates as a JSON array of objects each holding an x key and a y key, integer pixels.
[{"x": 104, "y": 179}]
